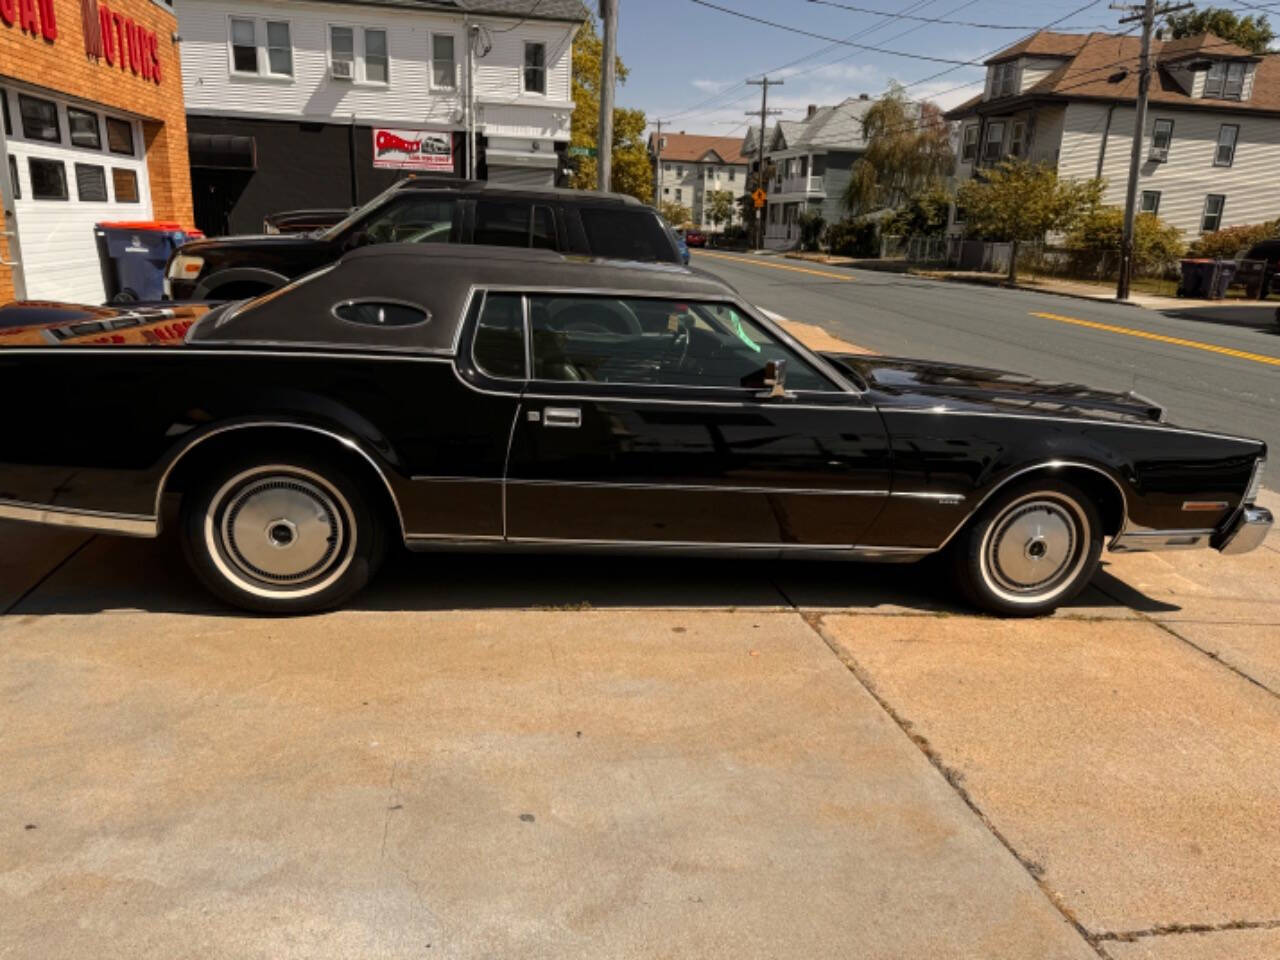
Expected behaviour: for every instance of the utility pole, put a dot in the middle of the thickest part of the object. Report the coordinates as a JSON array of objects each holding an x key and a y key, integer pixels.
[
  {"x": 764, "y": 83},
  {"x": 657, "y": 168},
  {"x": 608, "y": 79},
  {"x": 1147, "y": 14}
]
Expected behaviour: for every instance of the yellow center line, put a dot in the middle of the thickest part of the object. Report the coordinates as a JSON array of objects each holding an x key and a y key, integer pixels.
[
  {"x": 759, "y": 262},
  {"x": 1161, "y": 338}
]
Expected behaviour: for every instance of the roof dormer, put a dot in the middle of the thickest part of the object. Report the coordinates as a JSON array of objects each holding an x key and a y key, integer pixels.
[{"x": 1207, "y": 67}]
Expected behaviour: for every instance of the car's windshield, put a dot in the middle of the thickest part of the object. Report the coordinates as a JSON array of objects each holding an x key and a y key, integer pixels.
[{"x": 330, "y": 233}]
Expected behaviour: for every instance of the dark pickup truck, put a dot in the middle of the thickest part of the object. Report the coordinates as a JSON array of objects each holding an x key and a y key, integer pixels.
[{"x": 590, "y": 224}]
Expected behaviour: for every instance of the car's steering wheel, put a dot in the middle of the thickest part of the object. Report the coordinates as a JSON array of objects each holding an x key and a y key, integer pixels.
[{"x": 681, "y": 337}]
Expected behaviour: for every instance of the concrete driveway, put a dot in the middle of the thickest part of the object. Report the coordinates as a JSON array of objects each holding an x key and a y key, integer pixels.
[{"x": 531, "y": 757}]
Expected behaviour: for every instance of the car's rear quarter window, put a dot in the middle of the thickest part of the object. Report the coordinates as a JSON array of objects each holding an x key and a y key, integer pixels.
[{"x": 626, "y": 235}]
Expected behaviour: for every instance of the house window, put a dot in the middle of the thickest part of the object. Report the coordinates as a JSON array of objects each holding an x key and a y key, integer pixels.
[
  {"x": 535, "y": 68},
  {"x": 376, "y": 66},
  {"x": 444, "y": 72},
  {"x": 732, "y": 174},
  {"x": 994, "y": 143},
  {"x": 120, "y": 136},
  {"x": 969, "y": 148},
  {"x": 39, "y": 120},
  {"x": 1161, "y": 140},
  {"x": 1226, "y": 152},
  {"x": 342, "y": 52},
  {"x": 1004, "y": 79},
  {"x": 48, "y": 179},
  {"x": 14, "y": 184},
  {"x": 666, "y": 191},
  {"x": 666, "y": 168},
  {"x": 1150, "y": 202},
  {"x": 279, "y": 49},
  {"x": 679, "y": 195},
  {"x": 83, "y": 126},
  {"x": 1212, "y": 219},
  {"x": 91, "y": 183},
  {"x": 244, "y": 46},
  {"x": 1017, "y": 134},
  {"x": 1224, "y": 81}
]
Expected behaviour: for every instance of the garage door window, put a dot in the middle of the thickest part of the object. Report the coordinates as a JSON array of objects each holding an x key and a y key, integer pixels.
[
  {"x": 48, "y": 179},
  {"x": 120, "y": 136},
  {"x": 91, "y": 183},
  {"x": 14, "y": 184},
  {"x": 125, "y": 184},
  {"x": 83, "y": 125},
  {"x": 39, "y": 119}
]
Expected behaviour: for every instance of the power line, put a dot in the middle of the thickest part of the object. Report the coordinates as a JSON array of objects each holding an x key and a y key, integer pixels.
[
  {"x": 907, "y": 16},
  {"x": 845, "y": 43}
]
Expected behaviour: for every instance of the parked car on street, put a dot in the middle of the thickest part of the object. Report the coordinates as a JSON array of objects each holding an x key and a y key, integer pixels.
[
  {"x": 695, "y": 238},
  {"x": 304, "y": 221},
  {"x": 506, "y": 398},
  {"x": 1264, "y": 278},
  {"x": 428, "y": 211}
]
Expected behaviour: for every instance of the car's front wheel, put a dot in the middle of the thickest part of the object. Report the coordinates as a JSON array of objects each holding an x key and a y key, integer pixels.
[
  {"x": 282, "y": 534},
  {"x": 1030, "y": 549}
]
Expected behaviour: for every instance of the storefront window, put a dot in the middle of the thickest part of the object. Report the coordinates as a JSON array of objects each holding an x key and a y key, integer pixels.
[
  {"x": 84, "y": 128},
  {"x": 120, "y": 136},
  {"x": 48, "y": 179},
  {"x": 39, "y": 119},
  {"x": 125, "y": 184},
  {"x": 91, "y": 183}
]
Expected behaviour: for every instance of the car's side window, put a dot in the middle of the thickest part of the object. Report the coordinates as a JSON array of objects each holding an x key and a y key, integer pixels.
[
  {"x": 505, "y": 223},
  {"x": 412, "y": 220},
  {"x": 648, "y": 341},
  {"x": 498, "y": 349}
]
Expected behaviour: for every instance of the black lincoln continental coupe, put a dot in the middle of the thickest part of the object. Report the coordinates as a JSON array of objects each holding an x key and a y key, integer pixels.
[{"x": 511, "y": 398}]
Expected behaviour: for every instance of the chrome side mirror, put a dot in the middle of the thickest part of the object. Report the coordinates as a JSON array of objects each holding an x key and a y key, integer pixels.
[{"x": 775, "y": 379}]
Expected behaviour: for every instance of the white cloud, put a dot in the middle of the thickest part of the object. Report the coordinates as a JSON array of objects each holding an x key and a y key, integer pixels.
[{"x": 711, "y": 86}]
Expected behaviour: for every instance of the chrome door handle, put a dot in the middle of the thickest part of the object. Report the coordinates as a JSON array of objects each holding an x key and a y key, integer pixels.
[{"x": 561, "y": 417}]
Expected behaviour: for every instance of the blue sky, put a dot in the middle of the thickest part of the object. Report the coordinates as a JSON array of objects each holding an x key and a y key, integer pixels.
[{"x": 681, "y": 54}]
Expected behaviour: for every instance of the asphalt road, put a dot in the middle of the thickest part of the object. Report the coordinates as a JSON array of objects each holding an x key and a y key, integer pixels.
[{"x": 1218, "y": 377}]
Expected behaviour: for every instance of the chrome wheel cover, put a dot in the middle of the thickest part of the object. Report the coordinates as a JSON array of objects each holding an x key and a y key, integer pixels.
[
  {"x": 280, "y": 531},
  {"x": 1034, "y": 549}
]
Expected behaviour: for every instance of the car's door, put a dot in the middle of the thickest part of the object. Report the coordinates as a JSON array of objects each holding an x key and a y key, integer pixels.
[{"x": 644, "y": 420}]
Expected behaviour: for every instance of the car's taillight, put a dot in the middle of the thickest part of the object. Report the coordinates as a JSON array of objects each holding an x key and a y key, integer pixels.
[{"x": 1255, "y": 482}]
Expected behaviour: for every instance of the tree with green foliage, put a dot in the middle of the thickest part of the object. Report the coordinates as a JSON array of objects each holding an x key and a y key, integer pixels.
[
  {"x": 1020, "y": 201},
  {"x": 908, "y": 150},
  {"x": 1253, "y": 32},
  {"x": 1095, "y": 240},
  {"x": 719, "y": 206},
  {"x": 676, "y": 214},
  {"x": 632, "y": 172},
  {"x": 923, "y": 215}
]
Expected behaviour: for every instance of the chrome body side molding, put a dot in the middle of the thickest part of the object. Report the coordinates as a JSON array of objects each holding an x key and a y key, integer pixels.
[{"x": 125, "y": 524}]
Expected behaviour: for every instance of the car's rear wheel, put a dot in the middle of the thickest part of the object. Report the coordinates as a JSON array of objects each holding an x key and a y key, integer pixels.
[
  {"x": 1030, "y": 549},
  {"x": 282, "y": 534}
]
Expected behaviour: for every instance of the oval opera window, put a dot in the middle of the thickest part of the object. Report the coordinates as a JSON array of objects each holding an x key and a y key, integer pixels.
[{"x": 381, "y": 313}]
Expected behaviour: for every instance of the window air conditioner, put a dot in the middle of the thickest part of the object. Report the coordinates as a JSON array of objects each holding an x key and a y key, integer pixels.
[{"x": 342, "y": 70}]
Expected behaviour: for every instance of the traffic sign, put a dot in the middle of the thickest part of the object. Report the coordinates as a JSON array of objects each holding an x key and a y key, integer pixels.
[
  {"x": 759, "y": 197},
  {"x": 583, "y": 151}
]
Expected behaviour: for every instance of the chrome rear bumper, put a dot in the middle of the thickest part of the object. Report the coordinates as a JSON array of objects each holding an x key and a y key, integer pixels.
[{"x": 1246, "y": 531}]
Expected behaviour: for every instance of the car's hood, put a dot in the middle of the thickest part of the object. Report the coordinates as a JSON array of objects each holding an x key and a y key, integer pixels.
[
  {"x": 46, "y": 324},
  {"x": 264, "y": 242},
  {"x": 894, "y": 382}
]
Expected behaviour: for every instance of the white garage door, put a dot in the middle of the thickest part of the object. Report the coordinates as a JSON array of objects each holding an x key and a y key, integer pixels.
[{"x": 75, "y": 165}]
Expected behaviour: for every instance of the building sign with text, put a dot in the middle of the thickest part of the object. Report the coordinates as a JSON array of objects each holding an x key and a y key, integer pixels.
[
  {"x": 119, "y": 40},
  {"x": 413, "y": 149},
  {"x": 35, "y": 17}
]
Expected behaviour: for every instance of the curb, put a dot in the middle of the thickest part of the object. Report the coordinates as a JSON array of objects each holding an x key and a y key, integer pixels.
[{"x": 1026, "y": 289}]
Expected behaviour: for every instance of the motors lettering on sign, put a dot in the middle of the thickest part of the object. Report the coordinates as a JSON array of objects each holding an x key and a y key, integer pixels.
[
  {"x": 35, "y": 17},
  {"x": 119, "y": 40}
]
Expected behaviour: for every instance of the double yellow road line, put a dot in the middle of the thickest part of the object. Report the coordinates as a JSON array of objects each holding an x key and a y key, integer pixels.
[
  {"x": 1161, "y": 338},
  {"x": 765, "y": 262}
]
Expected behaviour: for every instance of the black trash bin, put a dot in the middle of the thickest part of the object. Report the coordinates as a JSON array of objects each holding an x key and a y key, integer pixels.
[
  {"x": 133, "y": 255},
  {"x": 1197, "y": 278}
]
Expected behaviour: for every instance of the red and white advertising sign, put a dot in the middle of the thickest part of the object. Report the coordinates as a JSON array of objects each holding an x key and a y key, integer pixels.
[{"x": 413, "y": 149}]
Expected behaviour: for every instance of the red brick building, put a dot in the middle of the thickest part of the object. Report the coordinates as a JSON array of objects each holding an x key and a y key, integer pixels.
[{"x": 94, "y": 129}]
